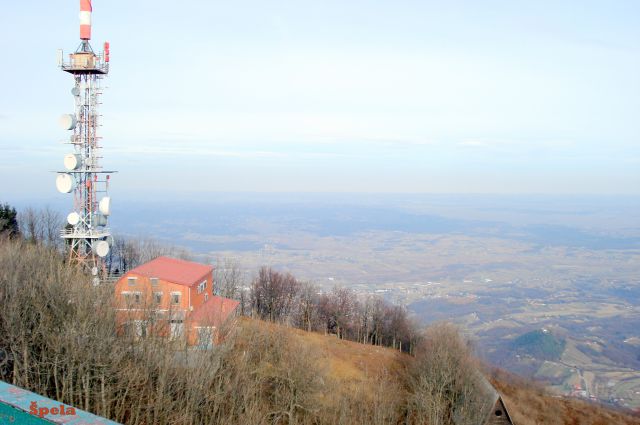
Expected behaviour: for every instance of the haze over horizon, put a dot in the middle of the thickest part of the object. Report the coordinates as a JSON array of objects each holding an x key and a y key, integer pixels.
[{"x": 498, "y": 97}]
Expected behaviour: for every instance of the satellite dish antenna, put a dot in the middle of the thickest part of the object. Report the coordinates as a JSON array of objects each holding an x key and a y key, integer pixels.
[
  {"x": 105, "y": 205},
  {"x": 68, "y": 121},
  {"x": 101, "y": 248},
  {"x": 73, "y": 218},
  {"x": 75, "y": 91},
  {"x": 65, "y": 183},
  {"x": 72, "y": 161},
  {"x": 94, "y": 271}
]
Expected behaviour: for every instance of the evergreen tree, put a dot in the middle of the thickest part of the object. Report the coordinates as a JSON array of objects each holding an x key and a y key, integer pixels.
[{"x": 8, "y": 221}]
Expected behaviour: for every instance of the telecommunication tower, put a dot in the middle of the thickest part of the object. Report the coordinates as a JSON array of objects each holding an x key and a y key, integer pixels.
[{"x": 87, "y": 237}]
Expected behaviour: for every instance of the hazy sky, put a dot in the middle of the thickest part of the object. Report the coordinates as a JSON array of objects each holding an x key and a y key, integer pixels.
[{"x": 374, "y": 96}]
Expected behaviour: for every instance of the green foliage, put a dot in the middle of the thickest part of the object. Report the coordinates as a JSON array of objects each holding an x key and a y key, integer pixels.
[
  {"x": 8, "y": 220},
  {"x": 540, "y": 344}
]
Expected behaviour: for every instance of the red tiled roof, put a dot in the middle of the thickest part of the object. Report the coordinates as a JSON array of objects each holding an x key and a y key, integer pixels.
[
  {"x": 214, "y": 312},
  {"x": 174, "y": 270}
]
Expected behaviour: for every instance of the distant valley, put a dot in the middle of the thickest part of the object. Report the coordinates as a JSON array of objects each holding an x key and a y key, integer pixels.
[{"x": 546, "y": 287}]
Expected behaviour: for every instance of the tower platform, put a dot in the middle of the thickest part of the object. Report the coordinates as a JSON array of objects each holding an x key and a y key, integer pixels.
[{"x": 85, "y": 63}]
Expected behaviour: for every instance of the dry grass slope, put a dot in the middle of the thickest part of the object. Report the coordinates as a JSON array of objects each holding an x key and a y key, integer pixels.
[
  {"x": 530, "y": 404},
  {"x": 363, "y": 368}
]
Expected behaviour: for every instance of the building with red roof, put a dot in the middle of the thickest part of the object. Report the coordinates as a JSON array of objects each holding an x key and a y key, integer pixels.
[
  {"x": 173, "y": 298},
  {"x": 174, "y": 270}
]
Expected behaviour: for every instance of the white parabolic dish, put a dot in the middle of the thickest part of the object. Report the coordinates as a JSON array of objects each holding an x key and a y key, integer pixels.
[
  {"x": 105, "y": 205},
  {"x": 101, "y": 248},
  {"x": 65, "y": 183},
  {"x": 68, "y": 121},
  {"x": 72, "y": 161},
  {"x": 73, "y": 218}
]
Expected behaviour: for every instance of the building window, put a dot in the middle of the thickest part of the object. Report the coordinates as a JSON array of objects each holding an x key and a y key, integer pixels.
[
  {"x": 205, "y": 337},
  {"x": 132, "y": 297},
  {"x": 177, "y": 328},
  {"x": 202, "y": 287},
  {"x": 154, "y": 282},
  {"x": 132, "y": 281},
  {"x": 206, "y": 296},
  {"x": 140, "y": 328},
  {"x": 157, "y": 297},
  {"x": 175, "y": 298}
]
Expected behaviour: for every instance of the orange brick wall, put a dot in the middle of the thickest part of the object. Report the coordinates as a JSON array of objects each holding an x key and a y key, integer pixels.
[
  {"x": 218, "y": 334},
  {"x": 136, "y": 311},
  {"x": 143, "y": 285}
]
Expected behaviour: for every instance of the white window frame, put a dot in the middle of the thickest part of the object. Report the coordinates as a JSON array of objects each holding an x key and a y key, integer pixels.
[
  {"x": 140, "y": 328},
  {"x": 179, "y": 294},
  {"x": 157, "y": 294},
  {"x": 176, "y": 329},
  {"x": 154, "y": 282},
  {"x": 132, "y": 280},
  {"x": 202, "y": 286},
  {"x": 127, "y": 296}
]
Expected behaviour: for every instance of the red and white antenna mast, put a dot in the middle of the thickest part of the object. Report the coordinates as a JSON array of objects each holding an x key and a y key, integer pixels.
[
  {"x": 86, "y": 235},
  {"x": 85, "y": 19}
]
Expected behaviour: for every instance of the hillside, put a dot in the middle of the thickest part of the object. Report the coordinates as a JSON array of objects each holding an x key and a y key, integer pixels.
[
  {"x": 530, "y": 404},
  {"x": 540, "y": 344},
  {"x": 355, "y": 367},
  {"x": 60, "y": 341},
  {"x": 361, "y": 368}
]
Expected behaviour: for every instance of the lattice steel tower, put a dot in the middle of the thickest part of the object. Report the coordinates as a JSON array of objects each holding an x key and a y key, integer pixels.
[{"x": 86, "y": 235}]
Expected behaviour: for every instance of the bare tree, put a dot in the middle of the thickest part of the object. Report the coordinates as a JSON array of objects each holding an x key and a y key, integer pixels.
[
  {"x": 273, "y": 295},
  {"x": 307, "y": 307},
  {"x": 58, "y": 337},
  {"x": 337, "y": 310},
  {"x": 41, "y": 226},
  {"x": 127, "y": 254},
  {"x": 51, "y": 224},
  {"x": 229, "y": 279},
  {"x": 31, "y": 225}
]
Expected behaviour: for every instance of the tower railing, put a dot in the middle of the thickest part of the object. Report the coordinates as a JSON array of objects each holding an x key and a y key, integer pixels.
[{"x": 96, "y": 233}]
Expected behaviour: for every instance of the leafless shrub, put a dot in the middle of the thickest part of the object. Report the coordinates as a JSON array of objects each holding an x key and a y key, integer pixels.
[
  {"x": 378, "y": 401},
  {"x": 58, "y": 338},
  {"x": 443, "y": 380}
]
